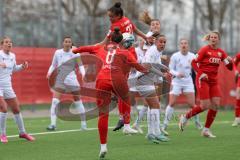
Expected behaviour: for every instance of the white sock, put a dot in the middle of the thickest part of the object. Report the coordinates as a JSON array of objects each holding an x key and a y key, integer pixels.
[
  {"x": 103, "y": 147},
  {"x": 141, "y": 114},
  {"x": 81, "y": 110},
  {"x": 150, "y": 122},
  {"x": 53, "y": 115},
  {"x": 205, "y": 129},
  {"x": 168, "y": 115},
  {"x": 3, "y": 119},
  {"x": 196, "y": 119},
  {"x": 156, "y": 121},
  {"x": 127, "y": 126},
  {"x": 19, "y": 120}
]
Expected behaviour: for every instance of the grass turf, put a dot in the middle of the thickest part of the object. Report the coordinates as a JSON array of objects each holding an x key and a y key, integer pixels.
[{"x": 85, "y": 145}]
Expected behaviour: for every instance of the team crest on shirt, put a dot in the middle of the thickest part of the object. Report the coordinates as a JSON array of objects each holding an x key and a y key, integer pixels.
[{"x": 219, "y": 54}]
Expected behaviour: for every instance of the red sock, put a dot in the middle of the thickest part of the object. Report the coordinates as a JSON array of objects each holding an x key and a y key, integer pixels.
[
  {"x": 120, "y": 106},
  {"x": 210, "y": 118},
  {"x": 237, "y": 108},
  {"x": 194, "y": 111},
  {"x": 126, "y": 107},
  {"x": 103, "y": 127}
]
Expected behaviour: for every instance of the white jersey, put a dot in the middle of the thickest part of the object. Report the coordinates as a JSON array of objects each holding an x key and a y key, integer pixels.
[
  {"x": 11, "y": 66},
  {"x": 60, "y": 57},
  {"x": 140, "y": 56},
  {"x": 180, "y": 63},
  {"x": 145, "y": 46},
  {"x": 153, "y": 56}
]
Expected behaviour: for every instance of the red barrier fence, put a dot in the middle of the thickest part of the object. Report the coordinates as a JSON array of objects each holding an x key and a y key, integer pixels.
[{"x": 32, "y": 87}]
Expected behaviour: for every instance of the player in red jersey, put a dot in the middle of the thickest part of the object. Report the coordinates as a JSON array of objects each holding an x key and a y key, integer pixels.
[
  {"x": 206, "y": 65},
  {"x": 125, "y": 25},
  {"x": 112, "y": 78},
  {"x": 237, "y": 106}
]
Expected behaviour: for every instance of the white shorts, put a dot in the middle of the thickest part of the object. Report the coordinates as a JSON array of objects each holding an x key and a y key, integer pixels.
[
  {"x": 7, "y": 93},
  {"x": 178, "y": 89},
  {"x": 145, "y": 90},
  {"x": 68, "y": 85}
]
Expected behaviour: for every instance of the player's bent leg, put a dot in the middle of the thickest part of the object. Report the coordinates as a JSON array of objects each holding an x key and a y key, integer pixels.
[
  {"x": 236, "y": 121},
  {"x": 14, "y": 104},
  {"x": 169, "y": 112},
  {"x": 190, "y": 95},
  {"x": 3, "y": 119},
  {"x": 212, "y": 112},
  {"x": 154, "y": 118},
  {"x": 120, "y": 122}
]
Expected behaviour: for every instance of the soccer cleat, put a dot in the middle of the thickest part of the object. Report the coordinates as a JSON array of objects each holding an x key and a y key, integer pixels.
[
  {"x": 26, "y": 136},
  {"x": 162, "y": 138},
  {"x": 198, "y": 125},
  {"x": 182, "y": 122},
  {"x": 83, "y": 127},
  {"x": 119, "y": 125},
  {"x": 102, "y": 154},
  {"x": 164, "y": 131},
  {"x": 207, "y": 134},
  {"x": 129, "y": 130},
  {"x": 152, "y": 138},
  {"x": 236, "y": 122},
  {"x": 138, "y": 128},
  {"x": 51, "y": 128},
  {"x": 3, "y": 138}
]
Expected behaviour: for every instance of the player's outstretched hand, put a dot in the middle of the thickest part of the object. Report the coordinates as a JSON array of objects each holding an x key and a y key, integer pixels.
[{"x": 25, "y": 65}]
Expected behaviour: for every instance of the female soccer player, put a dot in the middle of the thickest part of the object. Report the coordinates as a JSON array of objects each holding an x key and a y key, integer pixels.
[
  {"x": 111, "y": 78},
  {"x": 237, "y": 106},
  {"x": 125, "y": 25},
  {"x": 146, "y": 88},
  {"x": 206, "y": 65},
  {"x": 7, "y": 95},
  {"x": 180, "y": 68},
  {"x": 154, "y": 27},
  {"x": 70, "y": 84}
]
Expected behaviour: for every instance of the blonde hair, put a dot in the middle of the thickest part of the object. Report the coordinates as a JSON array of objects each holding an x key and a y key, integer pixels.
[
  {"x": 146, "y": 18},
  {"x": 207, "y": 36}
]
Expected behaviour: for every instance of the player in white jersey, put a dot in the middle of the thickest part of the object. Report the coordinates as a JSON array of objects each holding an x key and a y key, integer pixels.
[
  {"x": 69, "y": 84},
  {"x": 7, "y": 95},
  {"x": 146, "y": 88},
  {"x": 182, "y": 83}
]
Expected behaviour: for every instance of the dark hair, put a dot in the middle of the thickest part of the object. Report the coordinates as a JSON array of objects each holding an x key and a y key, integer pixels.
[
  {"x": 66, "y": 37},
  {"x": 116, "y": 35},
  {"x": 116, "y": 9}
]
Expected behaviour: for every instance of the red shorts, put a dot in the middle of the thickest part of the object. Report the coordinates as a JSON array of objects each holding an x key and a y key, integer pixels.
[
  {"x": 106, "y": 87},
  {"x": 207, "y": 89}
]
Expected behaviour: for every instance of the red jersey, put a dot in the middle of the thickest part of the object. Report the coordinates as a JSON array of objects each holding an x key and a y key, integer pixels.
[
  {"x": 115, "y": 61},
  {"x": 126, "y": 70},
  {"x": 236, "y": 61},
  {"x": 208, "y": 61},
  {"x": 124, "y": 24}
]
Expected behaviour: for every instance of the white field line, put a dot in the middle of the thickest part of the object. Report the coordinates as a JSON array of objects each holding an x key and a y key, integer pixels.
[{"x": 90, "y": 129}]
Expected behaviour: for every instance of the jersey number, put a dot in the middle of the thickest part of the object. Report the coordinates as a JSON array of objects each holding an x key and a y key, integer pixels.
[{"x": 110, "y": 56}]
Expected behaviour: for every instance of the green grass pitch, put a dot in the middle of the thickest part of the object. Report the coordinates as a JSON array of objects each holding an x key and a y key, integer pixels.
[{"x": 79, "y": 145}]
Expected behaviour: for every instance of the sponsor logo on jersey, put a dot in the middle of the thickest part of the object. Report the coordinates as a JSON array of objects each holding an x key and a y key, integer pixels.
[{"x": 215, "y": 60}]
